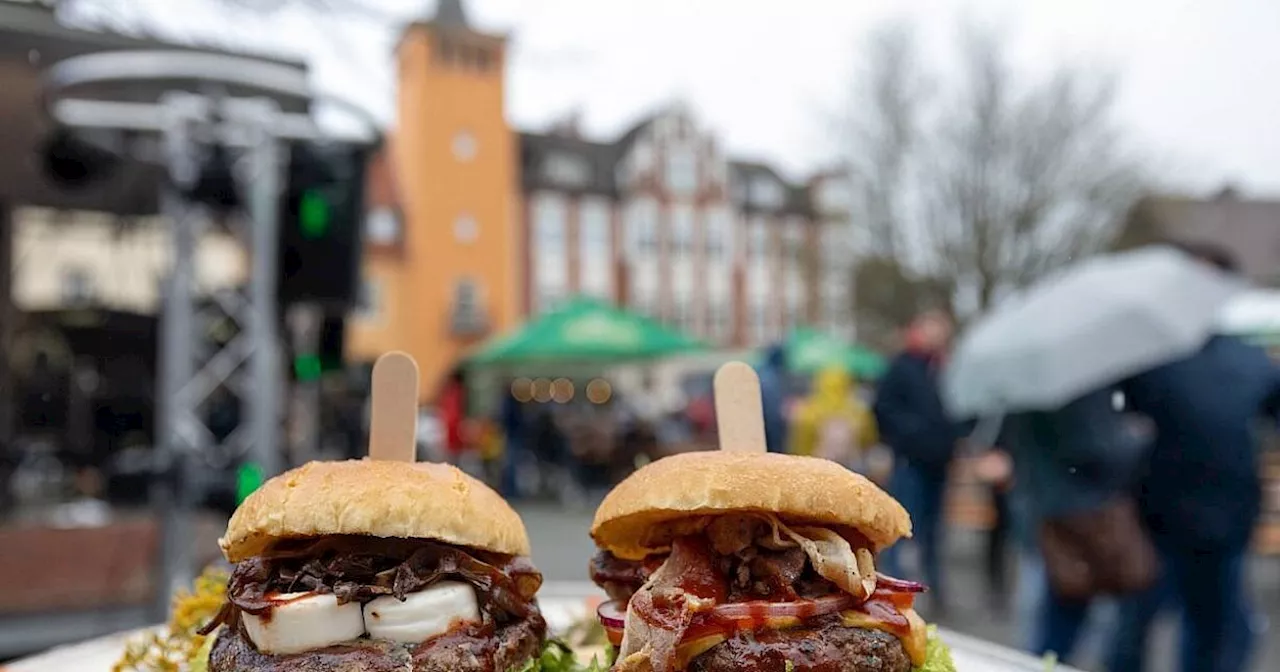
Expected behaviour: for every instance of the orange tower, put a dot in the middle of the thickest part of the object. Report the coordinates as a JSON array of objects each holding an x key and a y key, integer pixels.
[{"x": 450, "y": 279}]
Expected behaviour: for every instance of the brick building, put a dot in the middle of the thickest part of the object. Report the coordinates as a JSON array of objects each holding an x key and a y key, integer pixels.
[{"x": 474, "y": 225}]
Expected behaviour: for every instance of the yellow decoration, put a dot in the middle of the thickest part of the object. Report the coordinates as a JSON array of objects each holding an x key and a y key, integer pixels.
[{"x": 177, "y": 647}]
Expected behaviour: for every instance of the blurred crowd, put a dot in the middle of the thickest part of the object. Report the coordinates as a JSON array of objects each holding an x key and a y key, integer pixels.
[{"x": 1134, "y": 499}]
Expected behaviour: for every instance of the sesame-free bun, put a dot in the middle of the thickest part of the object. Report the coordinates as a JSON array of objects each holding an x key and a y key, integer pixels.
[
  {"x": 676, "y": 495},
  {"x": 409, "y": 500}
]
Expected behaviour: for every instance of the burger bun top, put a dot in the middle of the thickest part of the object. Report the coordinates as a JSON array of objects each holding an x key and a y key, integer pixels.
[
  {"x": 410, "y": 500},
  {"x": 676, "y": 495}
]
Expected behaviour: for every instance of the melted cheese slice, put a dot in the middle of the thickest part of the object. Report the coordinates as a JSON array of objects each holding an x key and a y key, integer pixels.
[{"x": 915, "y": 640}]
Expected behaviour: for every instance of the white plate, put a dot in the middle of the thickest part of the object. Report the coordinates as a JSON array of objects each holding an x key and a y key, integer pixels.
[{"x": 563, "y": 603}]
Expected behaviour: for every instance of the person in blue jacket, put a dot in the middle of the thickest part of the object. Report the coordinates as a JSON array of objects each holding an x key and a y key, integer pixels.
[
  {"x": 773, "y": 393},
  {"x": 1200, "y": 494},
  {"x": 1200, "y": 497},
  {"x": 915, "y": 426}
]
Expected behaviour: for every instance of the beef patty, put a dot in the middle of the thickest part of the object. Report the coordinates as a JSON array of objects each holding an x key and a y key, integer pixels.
[
  {"x": 469, "y": 649},
  {"x": 826, "y": 646}
]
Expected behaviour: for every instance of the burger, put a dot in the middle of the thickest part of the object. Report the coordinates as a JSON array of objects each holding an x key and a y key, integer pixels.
[
  {"x": 721, "y": 561},
  {"x": 374, "y": 566}
]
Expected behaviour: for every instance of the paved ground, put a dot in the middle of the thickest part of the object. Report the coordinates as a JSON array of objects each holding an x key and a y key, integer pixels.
[{"x": 561, "y": 548}]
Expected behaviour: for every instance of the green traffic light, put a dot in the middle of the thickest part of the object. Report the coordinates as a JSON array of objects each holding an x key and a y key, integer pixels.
[
  {"x": 307, "y": 368},
  {"x": 313, "y": 215},
  {"x": 248, "y": 478}
]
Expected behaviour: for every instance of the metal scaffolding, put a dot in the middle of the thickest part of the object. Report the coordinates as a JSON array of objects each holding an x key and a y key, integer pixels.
[{"x": 189, "y": 122}]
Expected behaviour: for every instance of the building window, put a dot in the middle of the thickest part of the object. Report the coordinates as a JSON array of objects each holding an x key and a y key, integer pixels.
[
  {"x": 642, "y": 226},
  {"x": 719, "y": 235},
  {"x": 594, "y": 220},
  {"x": 549, "y": 225},
  {"x": 759, "y": 240},
  {"x": 77, "y": 287},
  {"x": 682, "y": 170},
  {"x": 794, "y": 239},
  {"x": 464, "y": 146},
  {"x": 382, "y": 226},
  {"x": 567, "y": 170},
  {"x": 549, "y": 263},
  {"x": 469, "y": 317},
  {"x": 467, "y": 297},
  {"x": 682, "y": 230},
  {"x": 682, "y": 313},
  {"x": 719, "y": 318},
  {"x": 595, "y": 245},
  {"x": 795, "y": 299},
  {"x": 369, "y": 301},
  {"x": 465, "y": 229}
]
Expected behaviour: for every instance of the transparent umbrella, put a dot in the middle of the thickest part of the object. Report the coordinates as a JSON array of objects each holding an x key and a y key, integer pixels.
[{"x": 1092, "y": 325}]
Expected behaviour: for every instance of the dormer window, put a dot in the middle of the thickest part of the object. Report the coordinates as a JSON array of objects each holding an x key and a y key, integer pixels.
[
  {"x": 682, "y": 170},
  {"x": 567, "y": 170},
  {"x": 835, "y": 196},
  {"x": 767, "y": 192}
]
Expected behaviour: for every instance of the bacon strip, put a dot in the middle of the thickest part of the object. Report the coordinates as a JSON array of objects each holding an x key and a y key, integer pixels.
[{"x": 661, "y": 612}]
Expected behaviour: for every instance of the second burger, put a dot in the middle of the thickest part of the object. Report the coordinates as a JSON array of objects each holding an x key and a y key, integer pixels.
[{"x": 733, "y": 561}]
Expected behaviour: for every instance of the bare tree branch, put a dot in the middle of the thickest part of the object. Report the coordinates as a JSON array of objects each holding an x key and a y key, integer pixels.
[
  {"x": 996, "y": 179},
  {"x": 892, "y": 90}
]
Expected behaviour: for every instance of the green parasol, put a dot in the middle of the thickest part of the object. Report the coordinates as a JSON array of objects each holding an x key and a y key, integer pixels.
[
  {"x": 810, "y": 351},
  {"x": 584, "y": 329}
]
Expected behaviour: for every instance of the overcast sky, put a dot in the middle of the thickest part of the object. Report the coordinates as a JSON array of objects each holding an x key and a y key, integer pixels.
[{"x": 1198, "y": 80}]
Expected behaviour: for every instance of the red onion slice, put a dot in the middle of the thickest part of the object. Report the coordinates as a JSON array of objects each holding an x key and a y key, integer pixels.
[
  {"x": 899, "y": 585},
  {"x": 613, "y": 615}
]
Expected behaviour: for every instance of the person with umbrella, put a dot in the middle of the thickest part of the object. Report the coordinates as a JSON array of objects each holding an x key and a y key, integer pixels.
[
  {"x": 1200, "y": 497},
  {"x": 1100, "y": 324},
  {"x": 1070, "y": 464},
  {"x": 914, "y": 424}
]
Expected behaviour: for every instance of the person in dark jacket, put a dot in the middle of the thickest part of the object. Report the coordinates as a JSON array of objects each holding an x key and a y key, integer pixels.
[
  {"x": 1201, "y": 494},
  {"x": 773, "y": 393},
  {"x": 915, "y": 426},
  {"x": 512, "y": 418},
  {"x": 1067, "y": 461}
]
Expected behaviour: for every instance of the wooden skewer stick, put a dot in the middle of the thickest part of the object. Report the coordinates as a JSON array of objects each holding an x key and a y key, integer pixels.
[
  {"x": 739, "y": 410},
  {"x": 393, "y": 423}
]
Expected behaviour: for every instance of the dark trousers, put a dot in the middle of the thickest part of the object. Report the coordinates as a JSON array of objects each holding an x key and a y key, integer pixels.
[
  {"x": 1216, "y": 617},
  {"x": 513, "y": 458},
  {"x": 923, "y": 493},
  {"x": 1133, "y": 629},
  {"x": 998, "y": 545},
  {"x": 1060, "y": 624}
]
